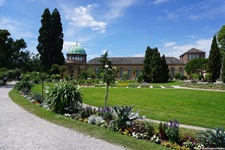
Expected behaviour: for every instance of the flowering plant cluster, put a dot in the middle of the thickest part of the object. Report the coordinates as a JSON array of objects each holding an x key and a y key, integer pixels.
[{"x": 128, "y": 123}]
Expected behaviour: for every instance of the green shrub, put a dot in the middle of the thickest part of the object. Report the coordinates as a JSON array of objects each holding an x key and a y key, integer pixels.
[
  {"x": 162, "y": 131},
  {"x": 133, "y": 85},
  {"x": 172, "y": 131},
  {"x": 182, "y": 77},
  {"x": 124, "y": 117},
  {"x": 143, "y": 129},
  {"x": 65, "y": 97},
  {"x": 107, "y": 113},
  {"x": 140, "y": 79},
  {"x": 87, "y": 112},
  {"x": 212, "y": 138},
  {"x": 24, "y": 84},
  {"x": 177, "y": 76},
  {"x": 56, "y": 77}
]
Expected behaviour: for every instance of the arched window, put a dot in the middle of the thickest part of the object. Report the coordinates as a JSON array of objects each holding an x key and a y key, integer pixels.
[
  {"x": 172, "y": 72},
  {"x": 137, "y": 72},
  {"x": 96, "y": 71},
  {"x": 181, "y": 71},
  {"x": 121, "y": 73},
  {"x": 129, "y": 72}
]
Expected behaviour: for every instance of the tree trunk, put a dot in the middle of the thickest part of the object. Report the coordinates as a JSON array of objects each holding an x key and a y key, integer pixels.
[
  {"x": 42, "y": 97},
  {"x": 106, "y": 94}
]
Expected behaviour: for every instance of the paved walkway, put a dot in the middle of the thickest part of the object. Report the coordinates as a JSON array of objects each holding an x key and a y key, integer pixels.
[{"x": 20, "y": 130}]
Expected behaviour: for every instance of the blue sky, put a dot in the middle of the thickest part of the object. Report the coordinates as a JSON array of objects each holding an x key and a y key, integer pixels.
[{"x": 123, "y": 27}]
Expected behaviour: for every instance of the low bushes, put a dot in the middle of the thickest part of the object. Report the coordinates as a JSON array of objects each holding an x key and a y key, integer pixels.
[{"x": 64, "y": 98}]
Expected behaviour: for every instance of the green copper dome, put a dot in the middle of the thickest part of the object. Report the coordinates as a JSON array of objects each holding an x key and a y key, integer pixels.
[{"x": 76, "y": 49}]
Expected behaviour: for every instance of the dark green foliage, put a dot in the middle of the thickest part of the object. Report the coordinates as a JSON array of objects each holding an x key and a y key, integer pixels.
[
  {"x": 55, "y": 69},
  {"x": 106, "y": 113},
  {"x": 221, "y": 37},
  {"x": 87, "y": 112},
  {"x": 124, "y": 117},
  {"x": 50, "y": 40},
  {"x": 164, "y": 70},
  {"x": 107, "y": 74},
  {"x": 212, "y": 138},
  {"x": 24, "y": 83},
  {"x": 223, "y": 70},
  {"x": 197, "y": 65},
  {"x": 10, "y": 51},
  {"x": 172, "y": 131},
  {"x": 177, "y": 76},
  {"x": 162, "y": 131},
  {"x": 155, "y": 68},
  {"x": 147, "y": 70},
  {"x": 64, "y": 98},
  {"x": 214, "y": 64}
]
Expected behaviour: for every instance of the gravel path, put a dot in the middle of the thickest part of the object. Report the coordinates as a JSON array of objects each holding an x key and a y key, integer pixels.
[{"x": 20, "y": 130}]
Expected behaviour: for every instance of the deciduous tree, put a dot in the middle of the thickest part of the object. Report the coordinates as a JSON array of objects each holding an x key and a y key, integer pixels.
[
  {"x": 10, "y": 50},
  {"x": 107, "y": 73},
  {"x": 197, "y": 65}
]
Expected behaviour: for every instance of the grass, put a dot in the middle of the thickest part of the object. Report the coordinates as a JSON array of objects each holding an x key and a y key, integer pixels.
[
  {"x": 192, "y": 107},
  {"x": 95, "y": 131}
]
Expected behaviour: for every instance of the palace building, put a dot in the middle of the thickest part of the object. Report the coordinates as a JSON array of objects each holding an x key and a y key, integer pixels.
[{"x": 76, "y": 63}]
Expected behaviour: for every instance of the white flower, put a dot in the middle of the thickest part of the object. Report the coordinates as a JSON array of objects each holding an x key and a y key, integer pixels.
[{"x": 106, "y": 66}]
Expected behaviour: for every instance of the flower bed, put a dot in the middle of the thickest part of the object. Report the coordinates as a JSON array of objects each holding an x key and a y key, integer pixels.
[
  {"x": 205, "y": 86},
  {"x": 124, "y": 121}
]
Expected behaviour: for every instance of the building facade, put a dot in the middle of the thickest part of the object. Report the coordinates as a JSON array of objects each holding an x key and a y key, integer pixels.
[
  {"x": 126, "y": 67},
  {"x": 191, "y": 54}
]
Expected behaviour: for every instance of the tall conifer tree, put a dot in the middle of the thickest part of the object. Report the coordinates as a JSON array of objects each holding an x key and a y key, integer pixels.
[
  {"x": 214, "y": 64},
  {"x": 155, "y": 68},
  {"x": 50, "y": 40},
  {"x": 57, "y": 38},
  {"x": 147, "y": 72},
  {"x": 165, "y": 70}
]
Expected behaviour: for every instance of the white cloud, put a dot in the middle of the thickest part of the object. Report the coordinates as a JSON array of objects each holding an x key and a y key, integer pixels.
[
  {"x": 92, "y": 56},
  {"x": 158, "y": 2},
  {"x": 169, "y": 44},
  {"x": 177, "y": 50},
  {"x": 190, "y": 36},
  {"x": 168, "y": 16},
  {"x": 199, "y": 10},
  {"x": 15, "y": 28},
  {"x": 117, "y": 8},
  {"x": 104, "y": 51},
  {"x": 139, "y": 55},
  {"x": 81, "y": 16}
]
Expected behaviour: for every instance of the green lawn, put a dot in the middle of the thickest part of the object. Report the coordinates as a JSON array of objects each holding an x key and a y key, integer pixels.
[{"x": 193, "y": 107}]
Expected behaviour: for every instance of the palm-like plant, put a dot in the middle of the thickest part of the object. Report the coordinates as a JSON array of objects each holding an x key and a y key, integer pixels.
[
  {"x": 124, "y": 116},
  {"x": 64, "y": 97},
  {"x": 215, "y": 138}
]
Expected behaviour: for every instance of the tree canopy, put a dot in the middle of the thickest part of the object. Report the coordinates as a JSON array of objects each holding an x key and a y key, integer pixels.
[
  {"x": 197, "y": 65},
  {"x": 11, "y": 54},
  {"x": 221, "y": 41},
  {"x": 155, "y": 68},
  {"x": 107, "y": 73},
  {"x": 50, "y": 40},
  {"x": 214, "y": 64}
]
